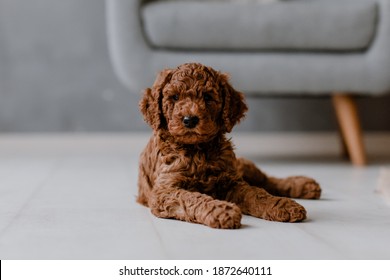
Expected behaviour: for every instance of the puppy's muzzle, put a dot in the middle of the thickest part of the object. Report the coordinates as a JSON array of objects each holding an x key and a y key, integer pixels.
[{"x": 190, "y": 121}]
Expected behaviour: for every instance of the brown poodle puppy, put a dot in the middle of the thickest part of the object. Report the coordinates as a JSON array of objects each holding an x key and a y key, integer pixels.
[{"x": 188, "y": 170}]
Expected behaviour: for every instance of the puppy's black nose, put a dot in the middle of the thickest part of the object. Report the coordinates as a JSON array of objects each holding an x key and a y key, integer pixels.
[{"x": 190, "y": 121}]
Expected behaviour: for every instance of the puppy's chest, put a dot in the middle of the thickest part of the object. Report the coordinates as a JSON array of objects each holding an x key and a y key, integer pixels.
[{"x": 204, "y": 172}]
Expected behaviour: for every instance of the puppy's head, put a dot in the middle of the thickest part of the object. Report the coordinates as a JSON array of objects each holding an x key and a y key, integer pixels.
[{"x": 193, "y": 102}]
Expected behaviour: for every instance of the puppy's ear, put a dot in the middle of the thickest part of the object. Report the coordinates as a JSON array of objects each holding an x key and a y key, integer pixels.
[
  {"x": 234, "y": 107},
  {"x": 151, "y": 102}
]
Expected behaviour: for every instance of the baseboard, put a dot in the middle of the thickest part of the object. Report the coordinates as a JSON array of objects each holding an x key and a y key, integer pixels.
[
  {"x": 262, "y": 144},
  {"x": 305, "y": 144}
]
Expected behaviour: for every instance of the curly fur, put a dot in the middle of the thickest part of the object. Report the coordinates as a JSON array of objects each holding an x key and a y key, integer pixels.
[{"x": 190, "y": 172}]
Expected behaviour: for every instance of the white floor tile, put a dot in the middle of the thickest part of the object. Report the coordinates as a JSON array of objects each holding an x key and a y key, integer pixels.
[{"x": 76, "y": 200}]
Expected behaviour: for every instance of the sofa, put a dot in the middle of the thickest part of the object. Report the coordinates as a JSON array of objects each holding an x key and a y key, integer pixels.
[{"x": 337, "y": 48}]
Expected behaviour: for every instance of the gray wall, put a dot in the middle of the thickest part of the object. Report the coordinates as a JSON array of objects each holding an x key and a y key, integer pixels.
[{"x": 55, "y": 75}]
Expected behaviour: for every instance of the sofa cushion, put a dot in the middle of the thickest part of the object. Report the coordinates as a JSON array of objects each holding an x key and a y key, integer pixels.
[{"x": 326, "y": 25}]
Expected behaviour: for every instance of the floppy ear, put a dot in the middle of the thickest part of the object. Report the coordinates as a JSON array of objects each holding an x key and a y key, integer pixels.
[
  {"x": 234, "y": 107},
  {"x": 151, "y": 102}
]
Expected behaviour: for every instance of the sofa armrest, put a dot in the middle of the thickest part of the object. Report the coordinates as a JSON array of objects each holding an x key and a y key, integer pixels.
[
  {"x": 379, "y": 60},
  {"x": 128, "y": 48}
]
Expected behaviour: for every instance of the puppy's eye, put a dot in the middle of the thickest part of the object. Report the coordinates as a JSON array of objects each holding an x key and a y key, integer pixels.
[
  {"x": 207, "y": 97},
  {"x": 175, "y": 97}
]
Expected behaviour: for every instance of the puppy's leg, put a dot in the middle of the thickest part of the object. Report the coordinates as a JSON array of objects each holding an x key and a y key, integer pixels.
[
  {"x": 194, "y": 207},
  {"x": 257, "y": 202},
  {"x": 294, "y": 186}
]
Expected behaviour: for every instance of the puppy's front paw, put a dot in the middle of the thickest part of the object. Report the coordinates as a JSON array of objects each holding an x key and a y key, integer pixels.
[
  {"x": 303, "y": 187},
  {"x": 286, "y": 210},
  {"x": 224, "y": 215}
]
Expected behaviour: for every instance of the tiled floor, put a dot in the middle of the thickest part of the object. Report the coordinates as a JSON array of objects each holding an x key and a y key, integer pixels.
[{"x": 74, "y": 198}]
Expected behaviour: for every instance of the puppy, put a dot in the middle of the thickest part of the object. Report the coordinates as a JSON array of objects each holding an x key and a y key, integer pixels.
[{"x": 189, "y": 171}]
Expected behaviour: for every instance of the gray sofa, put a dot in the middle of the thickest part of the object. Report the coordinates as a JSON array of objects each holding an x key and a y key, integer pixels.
[{"x": 292, "y": 47}]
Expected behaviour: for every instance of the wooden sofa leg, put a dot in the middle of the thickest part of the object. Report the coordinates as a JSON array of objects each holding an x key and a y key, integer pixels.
[{"x": 348, "y": 119}]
